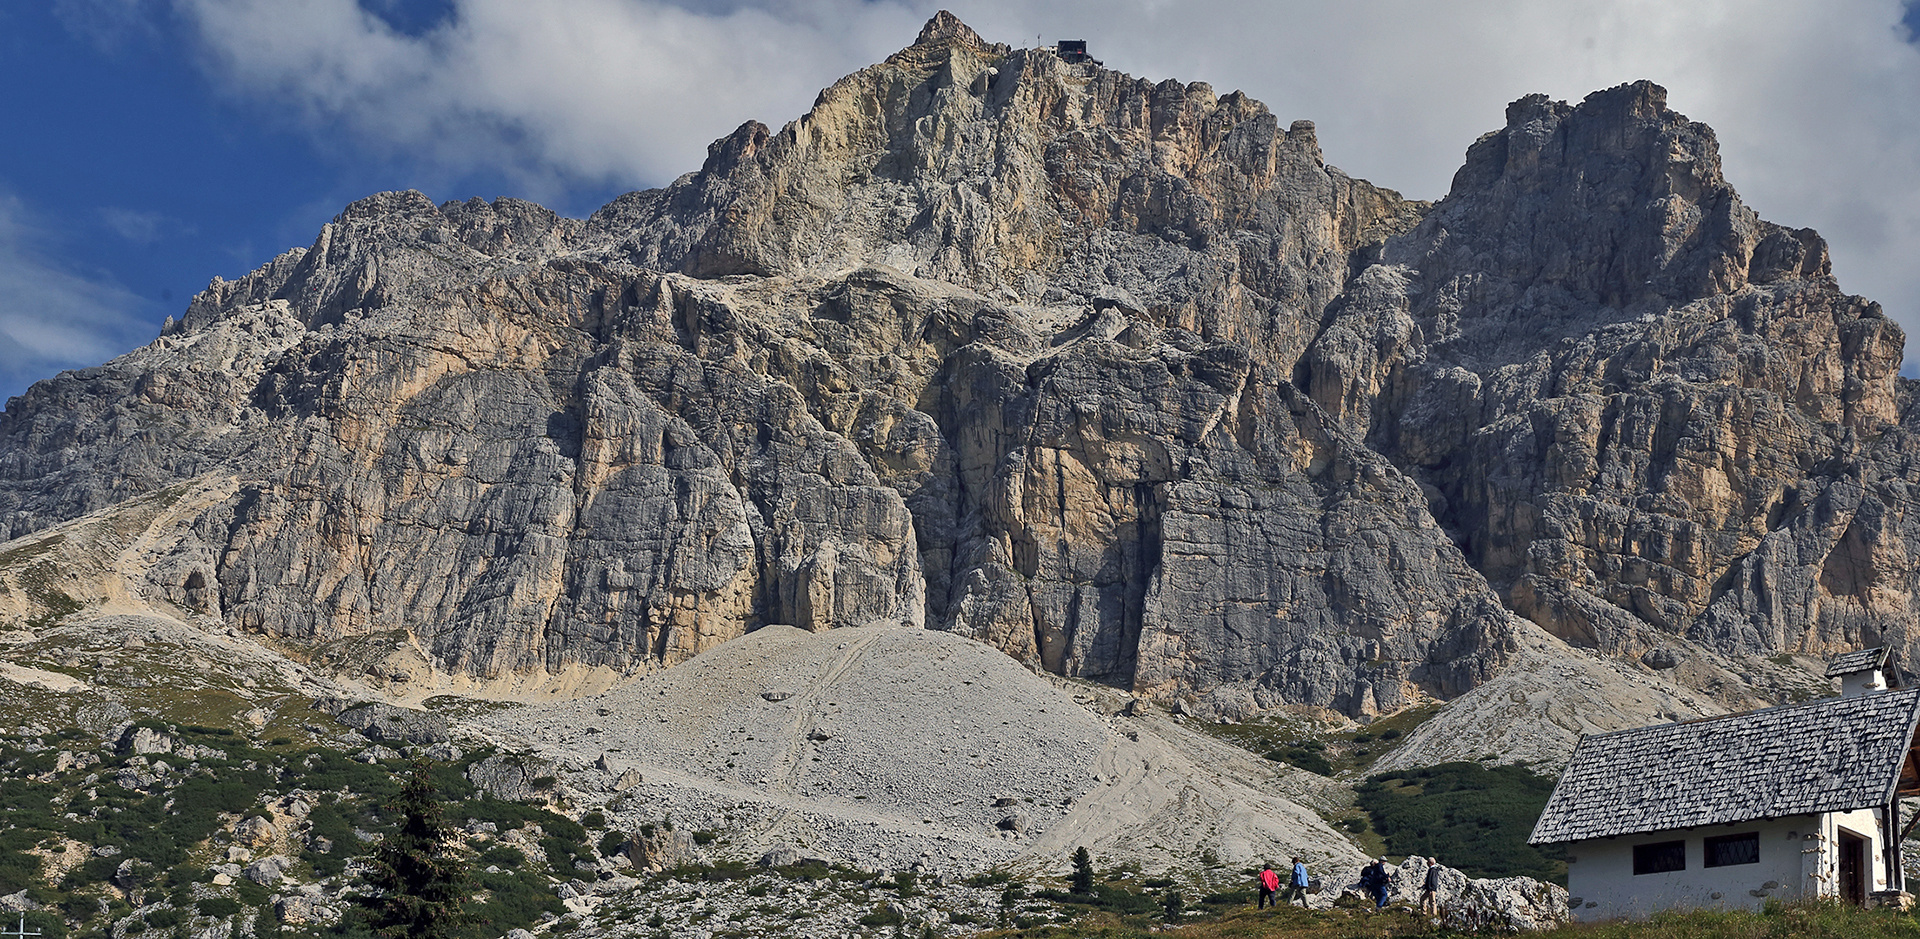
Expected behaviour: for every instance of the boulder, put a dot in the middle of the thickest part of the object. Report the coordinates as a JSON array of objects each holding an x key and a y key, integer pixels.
[
  {"x": 1468, "y": 903},
  {"x": 255, "y": 832},
  {"x": 295, "y": 909},
  {"x": 1507, "y": 903},
  {"x": 146, "y": 741},
  {"x": 268, "y": 870},
  {"x": 659, "y": 849},
  {"x": 390, "y": 724},
  {"x": 378, "y": 754},
  {"x": 514, "y": 777},
  {"x": 780, "y": 855}
]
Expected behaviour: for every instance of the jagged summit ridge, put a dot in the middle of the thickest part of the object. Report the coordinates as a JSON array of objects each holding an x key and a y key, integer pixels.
[
  {"x": 979, "y": 165},
  {"x": 1115, "y": 375},
  {"x": 945, "y": 27}
]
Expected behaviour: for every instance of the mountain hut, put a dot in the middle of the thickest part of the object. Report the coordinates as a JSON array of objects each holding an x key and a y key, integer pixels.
[{"x": 1801, "y": 800}]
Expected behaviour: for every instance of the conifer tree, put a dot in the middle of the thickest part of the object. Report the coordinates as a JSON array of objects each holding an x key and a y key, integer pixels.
[
  {"x": 421, "y": 881},
  {"x": 1082, "y": 871}
]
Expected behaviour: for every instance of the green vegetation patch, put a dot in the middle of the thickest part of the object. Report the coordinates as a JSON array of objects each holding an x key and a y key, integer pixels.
[
  {"x": 27, "y": 552},
  {"x": 1303, "y": 743},
  {"x": 1473, "y": 817},
  {"x": 1310, "y": 755},
  {"x": 38, "y": 581},
  {"x": 158, "y": 829}
]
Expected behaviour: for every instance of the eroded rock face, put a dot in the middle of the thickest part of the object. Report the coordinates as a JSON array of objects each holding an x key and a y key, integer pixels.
[
  {"x": 1631, "y": 399},
  {"x": 1117, "y": 376}
]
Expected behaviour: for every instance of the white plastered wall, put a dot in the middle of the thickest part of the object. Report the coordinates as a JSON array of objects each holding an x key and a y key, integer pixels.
[
  {"x": 1798, "y": 857},
  {"x": 1823, "y": 856}
]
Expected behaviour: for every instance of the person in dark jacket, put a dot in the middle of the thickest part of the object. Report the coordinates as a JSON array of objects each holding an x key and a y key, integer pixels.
[
  {"x": 1430, "y": 888},
  {"x": 1374, "y": 880}
]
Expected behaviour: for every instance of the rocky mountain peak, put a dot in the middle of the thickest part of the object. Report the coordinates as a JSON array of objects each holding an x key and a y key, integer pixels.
[
  {"x": 1115, "y": 375},
  {"x": 945, "y": 27},
  {"x": 967, "y": 162}
]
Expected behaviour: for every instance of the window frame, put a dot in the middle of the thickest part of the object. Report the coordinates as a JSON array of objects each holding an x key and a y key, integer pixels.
[
  {"x": 1749, "y": 837},
  {"x": 1647, "y": 861}
]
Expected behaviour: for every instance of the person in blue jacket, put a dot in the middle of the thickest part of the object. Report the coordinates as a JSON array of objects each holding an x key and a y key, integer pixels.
[{"x": 1297, "y": 883}]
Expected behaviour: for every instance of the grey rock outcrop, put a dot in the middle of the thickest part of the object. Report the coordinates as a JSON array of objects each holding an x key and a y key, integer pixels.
[
  {"x": 659, "y": 849},
  {"x": 1499, "y": 903},
  {"x": 256, "y": 832},
  {"x": 146, "y": 741},
  {"x": 268, "y": 870},
  {"x": 1117, "y": 376},
  {"x": 513, "y": 777},
  {"x": 392, "y": 724},
  {"x": 297, "y": 909},
  {"x": 780, "y": 855}
]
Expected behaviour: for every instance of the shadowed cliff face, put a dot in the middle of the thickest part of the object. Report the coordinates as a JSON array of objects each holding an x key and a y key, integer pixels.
[{"x": 1116, "y": 376}]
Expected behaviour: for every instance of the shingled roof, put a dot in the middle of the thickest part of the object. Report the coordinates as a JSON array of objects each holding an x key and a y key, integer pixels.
[
  {"x": 1832, "y": 755},
  {"x": 1860, "y": 661}
]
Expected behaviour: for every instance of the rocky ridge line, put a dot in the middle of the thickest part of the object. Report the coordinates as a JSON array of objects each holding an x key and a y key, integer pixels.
[{"x": 1117, "y": 376}]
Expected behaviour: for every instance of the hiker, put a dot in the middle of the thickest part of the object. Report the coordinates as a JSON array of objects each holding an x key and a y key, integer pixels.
[
  {"x": 1298, "y": 883},
  {"x": 1430, "y": 888},
  {"x": 1269, "y": 885},
  {"x": 1374, "y": 880}
]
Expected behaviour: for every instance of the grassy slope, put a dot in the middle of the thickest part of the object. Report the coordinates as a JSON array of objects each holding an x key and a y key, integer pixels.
[
  {"x": 1473, "y": 817},
  {"x": 1799, "y": 921}
]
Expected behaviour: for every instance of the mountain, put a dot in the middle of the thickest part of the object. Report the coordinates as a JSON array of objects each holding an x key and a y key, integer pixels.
[{"x": 1116, "y": 376}]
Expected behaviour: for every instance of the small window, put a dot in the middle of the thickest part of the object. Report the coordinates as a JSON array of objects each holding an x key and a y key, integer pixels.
[
  {"x": 1733, "y": 849},
  {"x": 1659, "y": 857}
]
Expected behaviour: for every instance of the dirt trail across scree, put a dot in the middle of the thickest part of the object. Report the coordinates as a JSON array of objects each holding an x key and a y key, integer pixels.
[{"x": 881, "y": 747}]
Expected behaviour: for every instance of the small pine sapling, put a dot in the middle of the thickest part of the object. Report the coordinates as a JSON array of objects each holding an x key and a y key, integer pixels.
[{"x": 1082, "y": 871}]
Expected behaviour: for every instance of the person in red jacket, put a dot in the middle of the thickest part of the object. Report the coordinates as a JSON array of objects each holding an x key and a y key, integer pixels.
[{"x": 1269, "y": 885}]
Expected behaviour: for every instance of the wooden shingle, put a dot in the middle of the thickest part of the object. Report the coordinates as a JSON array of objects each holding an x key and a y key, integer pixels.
[
  {"x": 1864, "y": 659},
  {"x": 1832, "y": 755}
]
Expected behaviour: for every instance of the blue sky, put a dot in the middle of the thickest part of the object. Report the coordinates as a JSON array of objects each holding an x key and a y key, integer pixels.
[
  {"x": 132, "y": 178},
  {"x": 155, "y": 144}
]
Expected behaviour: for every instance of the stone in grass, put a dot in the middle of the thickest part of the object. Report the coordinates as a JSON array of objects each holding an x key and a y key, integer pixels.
[
  {"x": 296, "y": 909},
  {"x": 514, "y": 777}
]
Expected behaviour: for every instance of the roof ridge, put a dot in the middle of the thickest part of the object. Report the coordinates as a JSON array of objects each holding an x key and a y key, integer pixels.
[{"x": 1807, "y": 757}]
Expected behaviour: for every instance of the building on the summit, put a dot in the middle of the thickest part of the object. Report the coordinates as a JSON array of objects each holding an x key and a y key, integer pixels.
[{"x": 1801, "y": 800}]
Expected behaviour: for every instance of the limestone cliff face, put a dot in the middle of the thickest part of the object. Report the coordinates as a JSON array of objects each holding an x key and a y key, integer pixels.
[
  {"x": 1643, "y": 411},
  {"x": 1119, "y": 377}
]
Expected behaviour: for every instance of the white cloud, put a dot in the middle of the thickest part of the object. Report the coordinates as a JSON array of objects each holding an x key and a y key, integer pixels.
[
  {"x": 586, "y": 90},
  {"x": 1817, "y": 105},
  {"x": 142, "y": 228},
  {"x": 111, "y": 25},
  {"x": 51, "y": 317}
]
